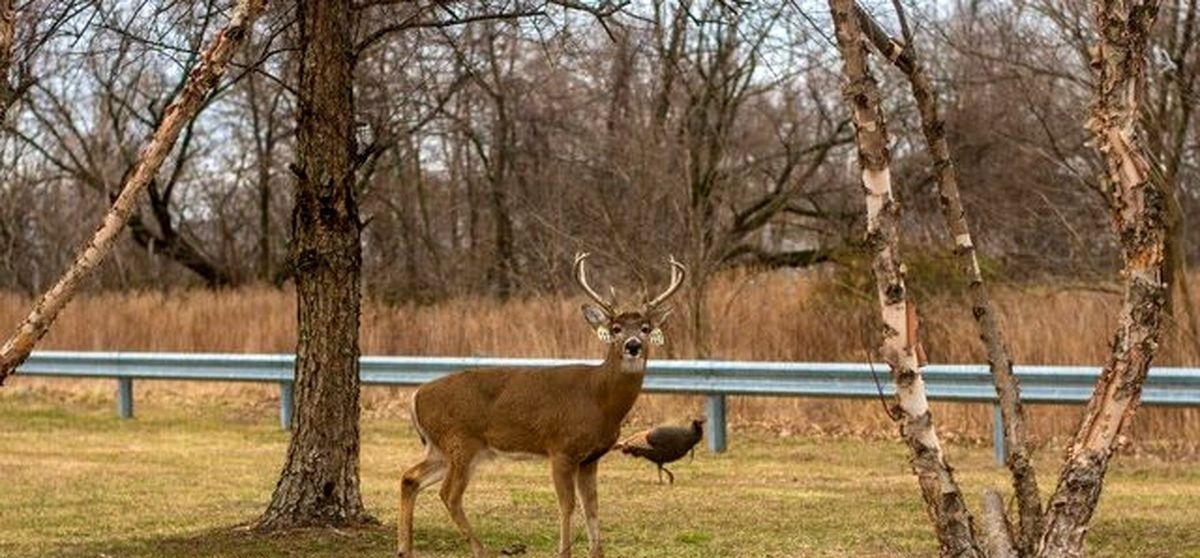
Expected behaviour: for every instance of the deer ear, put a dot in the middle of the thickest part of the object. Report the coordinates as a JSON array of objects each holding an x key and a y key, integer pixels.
[{"x": 595, "y": 316}]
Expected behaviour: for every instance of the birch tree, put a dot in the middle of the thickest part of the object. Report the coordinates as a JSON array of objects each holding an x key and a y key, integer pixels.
[
  {"x": 943, "y": 499},
  {"x": 1138, "y": 213},
  {"x": 202, "y": 78},
  {"x": 1137, "y": 208},
  {"x": 903, "y": 55}
]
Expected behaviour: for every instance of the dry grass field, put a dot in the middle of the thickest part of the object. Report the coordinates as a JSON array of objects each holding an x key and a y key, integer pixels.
[{"x": 777, "y": 316}]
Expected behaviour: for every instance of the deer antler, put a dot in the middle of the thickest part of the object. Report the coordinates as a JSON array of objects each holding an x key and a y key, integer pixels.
[
  {"x": 581, "y": 279},
  {"x": 678, "y": 273}
]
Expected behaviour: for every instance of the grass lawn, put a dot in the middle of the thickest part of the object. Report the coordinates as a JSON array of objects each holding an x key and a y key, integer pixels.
[{"x": 178, "y": 481}]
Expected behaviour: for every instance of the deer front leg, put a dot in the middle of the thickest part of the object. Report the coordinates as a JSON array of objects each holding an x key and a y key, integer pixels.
[
  {"x": 585, "y": 483},
  {"x": 564, "y": 471}
]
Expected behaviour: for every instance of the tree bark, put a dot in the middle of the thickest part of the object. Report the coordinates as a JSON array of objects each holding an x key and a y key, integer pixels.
[
  {"x": 1024, "y": 479},
  {"x": 997, "y": 542},
  {"x": 200, "y": 82},
  {"x": 319, "y": 485},
  {"x": 1137, "y": 209},
  {"x": 943, "y": 499},
  {"x": 8, "y": 32}
]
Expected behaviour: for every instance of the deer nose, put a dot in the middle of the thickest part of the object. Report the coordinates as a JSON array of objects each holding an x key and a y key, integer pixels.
[{"x": 633, "y": 346}]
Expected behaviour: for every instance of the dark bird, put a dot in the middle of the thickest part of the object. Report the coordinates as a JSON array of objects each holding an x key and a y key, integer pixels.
[{"x": 664, "y": 444}]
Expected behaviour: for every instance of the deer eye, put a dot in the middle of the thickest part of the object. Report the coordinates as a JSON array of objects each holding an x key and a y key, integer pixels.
[
  {"x": 616, "y": 330},
  {"x": 645, "y": 329}
]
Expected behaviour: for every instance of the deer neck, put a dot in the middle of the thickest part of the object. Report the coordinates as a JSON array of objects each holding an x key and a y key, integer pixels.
[{"x": 619, "y": 382}]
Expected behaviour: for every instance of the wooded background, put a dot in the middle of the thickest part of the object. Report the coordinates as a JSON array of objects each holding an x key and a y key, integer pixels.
[{"x": 499, "y": 137}]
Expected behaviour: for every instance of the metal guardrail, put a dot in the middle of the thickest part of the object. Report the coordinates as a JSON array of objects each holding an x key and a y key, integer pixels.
[{"x": 715, "y": 379}]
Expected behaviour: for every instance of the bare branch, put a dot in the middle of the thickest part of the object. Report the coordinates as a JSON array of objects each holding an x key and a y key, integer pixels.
[{"x": 201, "y": 81}]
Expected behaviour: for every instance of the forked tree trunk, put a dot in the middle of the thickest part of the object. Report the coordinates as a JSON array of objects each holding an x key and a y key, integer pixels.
[
  {"x": 1024, "y": 479},
  {"x": 319, "y": 485},
  {"x": 943, "y": 499},
  {"x": 1137, "y": 207},
  {"x": 200, "y": 82}
]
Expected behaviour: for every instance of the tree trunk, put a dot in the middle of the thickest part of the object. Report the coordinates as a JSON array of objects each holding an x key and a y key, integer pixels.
[
  {"x": 1020, "y": 464},
  {"x": 265, "y": 271},
  {"x": 996, "y": 540},
  {"x": 1175, "y": 272},
  {"x": 8, "y": 32},
  {"x": 319, "y": 485},
  {"x": 1137, "y": 208},
  {"x": 200, "y": 82},
  {"x": 943, "y": 499},
  {"x": 1170, "y": 147}
]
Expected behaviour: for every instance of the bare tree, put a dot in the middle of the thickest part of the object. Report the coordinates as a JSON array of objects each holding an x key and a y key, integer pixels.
[
  {"x": 1137, "y": 204},
  {"x": 1169, "y": 115},
  {"x": 319, "y": 484},
  {"x": 201, "y": 80},
  {"x": 903, "y": 54},
  {"x": 943, "y": 499},
  {"x": 87, "y": 123},
  {"x": 1138, "y": 214}
]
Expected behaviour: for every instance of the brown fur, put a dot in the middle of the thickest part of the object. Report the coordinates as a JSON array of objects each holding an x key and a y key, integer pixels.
[{"x": 569, "y": 414}]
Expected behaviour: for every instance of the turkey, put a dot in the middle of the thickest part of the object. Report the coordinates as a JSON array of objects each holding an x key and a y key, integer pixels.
[{"x": 663, "y": 444}]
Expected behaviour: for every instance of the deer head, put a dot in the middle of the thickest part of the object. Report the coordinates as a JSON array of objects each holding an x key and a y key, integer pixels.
[{"x": 629, "y": 333}]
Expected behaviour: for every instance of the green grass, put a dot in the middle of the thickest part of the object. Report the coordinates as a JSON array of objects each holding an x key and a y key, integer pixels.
[{"x": 178, "y": 481}]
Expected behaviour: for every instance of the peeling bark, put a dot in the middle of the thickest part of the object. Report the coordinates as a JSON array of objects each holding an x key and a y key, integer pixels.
[
  {"x": 1137, "y": 205},
  {"x": 943, "y": 499},
  {"x": 200, "y": 82},
  {"x": 1020, "y": 463}
]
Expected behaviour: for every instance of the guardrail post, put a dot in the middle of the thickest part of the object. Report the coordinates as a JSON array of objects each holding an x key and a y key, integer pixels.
[
  {"x": 716, "y": 423},
  {"x": 998, "y": 447},
  {"x": 286, "y": 404},
  {"x": 125, "y": 397}
]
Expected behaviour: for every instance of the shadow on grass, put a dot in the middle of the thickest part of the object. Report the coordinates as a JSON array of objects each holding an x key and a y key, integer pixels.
[
  {"x": 237, "y": 542},
  {"x": 241, "y": 542}
]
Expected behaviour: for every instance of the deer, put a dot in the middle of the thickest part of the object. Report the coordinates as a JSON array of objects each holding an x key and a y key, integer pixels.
[{"x": 570, "y": 415}]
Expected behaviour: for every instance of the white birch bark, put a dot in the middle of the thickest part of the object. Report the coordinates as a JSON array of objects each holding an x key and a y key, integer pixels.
[
  {"x": 943, "y": 499},
  {"x": 902, "y": 55}
]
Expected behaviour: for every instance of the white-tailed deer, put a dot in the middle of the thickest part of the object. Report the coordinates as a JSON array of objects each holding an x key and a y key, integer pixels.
[{"x": 569, "y": 414}]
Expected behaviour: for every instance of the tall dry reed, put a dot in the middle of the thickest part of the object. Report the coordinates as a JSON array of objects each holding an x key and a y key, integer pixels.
[{"x": 775, "y": 316}]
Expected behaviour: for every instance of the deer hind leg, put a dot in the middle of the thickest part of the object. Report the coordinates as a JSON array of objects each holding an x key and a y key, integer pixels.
[
  {"x": 585, "y": 484},
  {"x": 428, "y": 472},
  {"x": 564, "y": 472},
  {"x": 453, "y": 487}
]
